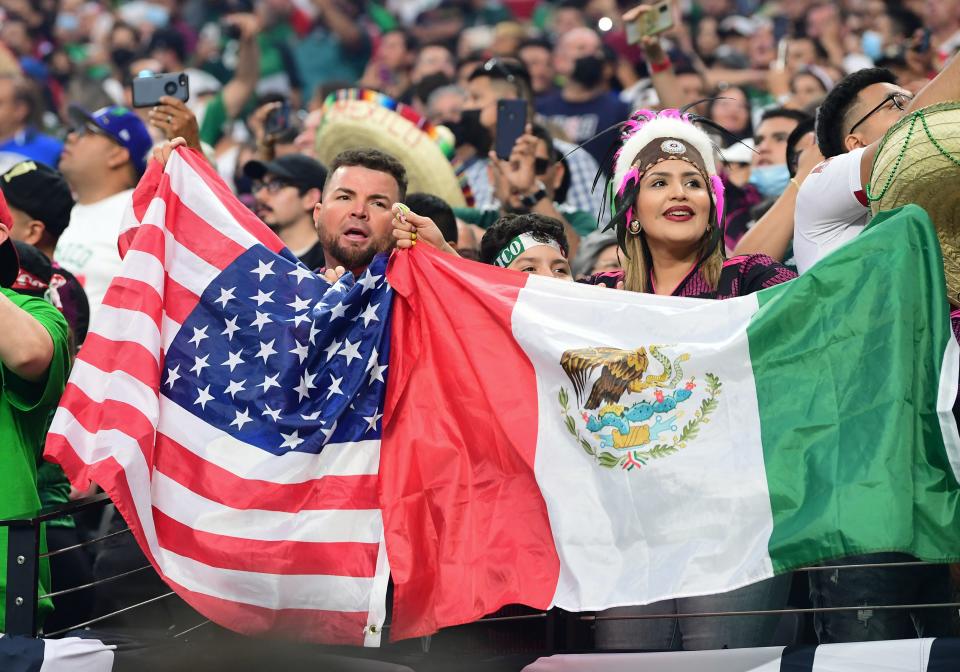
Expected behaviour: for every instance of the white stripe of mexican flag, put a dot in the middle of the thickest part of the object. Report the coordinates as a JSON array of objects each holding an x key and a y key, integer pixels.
[{"x": 648, "y": 524}]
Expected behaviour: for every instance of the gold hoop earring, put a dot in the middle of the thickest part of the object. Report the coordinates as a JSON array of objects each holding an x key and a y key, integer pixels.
[{"x": 634, "y": 227}]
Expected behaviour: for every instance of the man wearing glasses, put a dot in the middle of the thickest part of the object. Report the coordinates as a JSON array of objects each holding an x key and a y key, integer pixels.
[
  {"x": 286, "y": 190},
  {"x": 104, "y": 157},
  {"x": 832, "y": 206}
]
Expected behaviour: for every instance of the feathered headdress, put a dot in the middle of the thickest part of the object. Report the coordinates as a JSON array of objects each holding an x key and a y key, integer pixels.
[{"x": 647, "y": 138}]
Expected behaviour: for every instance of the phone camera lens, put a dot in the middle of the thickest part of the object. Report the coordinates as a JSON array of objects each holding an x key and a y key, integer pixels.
[{"x": 170, "y": 88}]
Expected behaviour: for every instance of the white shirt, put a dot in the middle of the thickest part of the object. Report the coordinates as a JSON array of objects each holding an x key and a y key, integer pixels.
[
  {"x": 832, "y": 208},
  {"x": 88, "y": 246}
]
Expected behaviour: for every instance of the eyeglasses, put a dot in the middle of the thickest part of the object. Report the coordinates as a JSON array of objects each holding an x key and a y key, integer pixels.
[
  {"x": 541, "y": 165},
  {"x": 899, "y": 99},
  {"x": 273, "y": 186}
]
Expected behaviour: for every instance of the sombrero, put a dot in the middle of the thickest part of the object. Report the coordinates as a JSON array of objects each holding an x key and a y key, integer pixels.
[
  {"x": 354, "y": 118},
  {"x": 919, "y": 162}
]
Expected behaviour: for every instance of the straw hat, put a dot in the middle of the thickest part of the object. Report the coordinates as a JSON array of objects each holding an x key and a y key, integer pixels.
[
  {"x": 355, "y": 118},
  {"x": 910, "y": 168}
]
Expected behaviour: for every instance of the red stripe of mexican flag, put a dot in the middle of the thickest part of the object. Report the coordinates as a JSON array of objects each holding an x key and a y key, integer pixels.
[
  {"x": 556, "y": 444},
  {"x": 466, "y": 525}
]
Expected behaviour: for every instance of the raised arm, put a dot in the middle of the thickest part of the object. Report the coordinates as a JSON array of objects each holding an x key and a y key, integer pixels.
[
  {"x": 344, "y": 27},
  {"x": 238, "y": 90}
]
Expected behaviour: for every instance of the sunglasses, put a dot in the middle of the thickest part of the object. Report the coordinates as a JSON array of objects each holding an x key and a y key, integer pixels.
[
  {"x": 92, "y": 129},
  {"x": 899, "y": 99},
  {"x": 495, "y": 67},
  {"x": 541, "y": 166},
  {"x": 273, "y": 186}
]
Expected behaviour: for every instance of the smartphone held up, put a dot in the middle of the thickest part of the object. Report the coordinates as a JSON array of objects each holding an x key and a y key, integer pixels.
[
  {"x": 656, "y": 20},
  {"x": 511, "y": 123},
  {"x": 148, "y": 89}
]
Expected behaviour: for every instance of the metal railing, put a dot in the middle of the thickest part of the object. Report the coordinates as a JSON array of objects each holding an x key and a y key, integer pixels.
[{"x": 23, "y": 569}]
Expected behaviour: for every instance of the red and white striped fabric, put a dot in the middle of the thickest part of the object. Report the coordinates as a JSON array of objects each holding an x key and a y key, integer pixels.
[{"x": 258, "y": 542}]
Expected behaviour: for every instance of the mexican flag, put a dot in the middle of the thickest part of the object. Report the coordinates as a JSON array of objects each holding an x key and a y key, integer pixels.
[{"x": 553, "y": 444}]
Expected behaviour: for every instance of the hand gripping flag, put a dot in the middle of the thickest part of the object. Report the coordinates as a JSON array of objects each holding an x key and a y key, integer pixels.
[{"x": 229, "y": 402}]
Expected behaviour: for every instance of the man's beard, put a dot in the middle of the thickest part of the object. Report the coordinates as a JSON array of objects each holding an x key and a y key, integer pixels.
[{"x": 354, "y": 258}]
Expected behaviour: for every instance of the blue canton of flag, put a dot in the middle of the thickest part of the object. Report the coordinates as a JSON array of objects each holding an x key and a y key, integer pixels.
[{"x": 277, "y": 358}]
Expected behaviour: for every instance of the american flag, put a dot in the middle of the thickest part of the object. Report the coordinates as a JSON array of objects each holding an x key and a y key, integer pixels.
[{"x": 230, "y": 402}]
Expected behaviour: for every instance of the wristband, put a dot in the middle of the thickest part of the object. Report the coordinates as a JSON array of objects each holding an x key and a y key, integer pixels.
[
  {"x": 530, "y": 200},
  {"x": 660, "y": 66}
]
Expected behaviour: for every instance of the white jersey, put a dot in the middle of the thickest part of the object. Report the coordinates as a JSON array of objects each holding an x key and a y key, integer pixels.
[
  {"x": 88, "y": 246},
  {"x": 832, "y": 209}
]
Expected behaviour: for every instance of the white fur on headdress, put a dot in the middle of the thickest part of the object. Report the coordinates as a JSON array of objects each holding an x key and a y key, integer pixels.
[{"x": 666, "y": 124}]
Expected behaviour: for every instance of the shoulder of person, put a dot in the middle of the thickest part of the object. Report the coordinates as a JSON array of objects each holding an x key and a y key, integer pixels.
[{"x": 757, "y": 271}]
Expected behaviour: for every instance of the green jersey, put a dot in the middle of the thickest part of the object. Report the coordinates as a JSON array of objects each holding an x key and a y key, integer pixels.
[{"x": 24, "y": 416}]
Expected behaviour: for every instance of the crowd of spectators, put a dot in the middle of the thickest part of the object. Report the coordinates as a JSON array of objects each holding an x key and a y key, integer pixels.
[{"x": 779, "y": 85}]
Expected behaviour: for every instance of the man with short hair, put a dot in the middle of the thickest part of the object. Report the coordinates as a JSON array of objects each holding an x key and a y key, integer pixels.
[
  {"x": 537, "y": 56},
  {"x": 584, "y": 106},
  {"x": 19, "y": 116},
  {"x": 436, "y": 209},
  {"x": 770, "y": 173},
  {"x": 832, "y": 207},
  {"x": 286, "y": 191},
  {"x": 105, "y": 155},
  {"x": 433, "y": 59},
  {"x": 354, "y": 216}
]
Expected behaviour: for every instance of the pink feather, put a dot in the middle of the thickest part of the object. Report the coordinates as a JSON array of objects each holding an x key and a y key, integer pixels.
[
  {"x": 632, "y": 176},
  {"x": 717, "y": 184}
]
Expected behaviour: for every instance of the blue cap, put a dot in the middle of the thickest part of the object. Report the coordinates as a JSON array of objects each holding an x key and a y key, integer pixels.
[{"x": 122, "y": 125}]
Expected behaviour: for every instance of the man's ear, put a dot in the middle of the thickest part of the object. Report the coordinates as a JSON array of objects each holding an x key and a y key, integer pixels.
[
  {"x": 310, "y": 200},
  {"x": 316, "y": 215},
  {"x": 118, "y": 156},
  {"x": 35, "y": 231},
  {"x": 853, "y": 141},
  {"x": 559, "y": 170}
]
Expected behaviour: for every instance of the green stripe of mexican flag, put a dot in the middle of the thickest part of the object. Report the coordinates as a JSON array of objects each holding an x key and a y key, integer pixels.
[
  {"x": 636, "y": 448},
  {"x": 855, "y": 390}
]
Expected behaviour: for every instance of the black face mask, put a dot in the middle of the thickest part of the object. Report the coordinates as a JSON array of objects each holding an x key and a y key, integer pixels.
[
  {"x": 122, "y": 57},
  {"x": 469, "y": 131},
  {"x": 588, "y": 71}
]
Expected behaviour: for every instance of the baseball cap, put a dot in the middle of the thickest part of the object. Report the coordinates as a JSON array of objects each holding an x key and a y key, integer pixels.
[
  {"x": 41, "y": 192},
  {"x": 9, "y": 261},
  {"x": 123, "y": 126},
  {"x": 298, "y": 169}
]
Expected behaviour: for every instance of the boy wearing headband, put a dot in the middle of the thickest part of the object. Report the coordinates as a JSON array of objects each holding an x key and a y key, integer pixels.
[{"x": 528, "y": 243}]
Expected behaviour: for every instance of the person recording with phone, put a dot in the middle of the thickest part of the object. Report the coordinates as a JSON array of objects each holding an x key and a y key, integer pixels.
[
  {"x": 500, "y": 79},
  {"x": 531, "y": 179}
]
